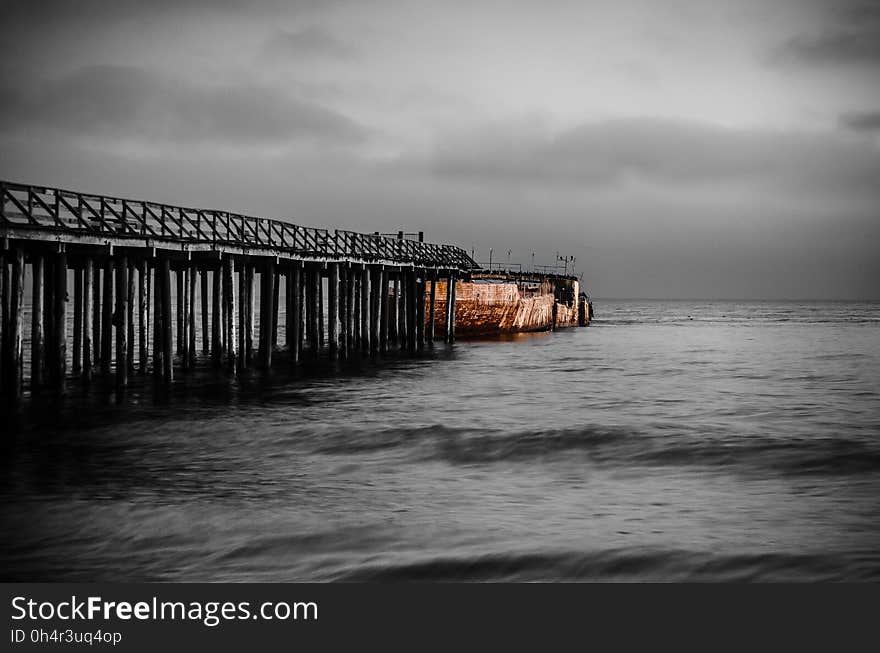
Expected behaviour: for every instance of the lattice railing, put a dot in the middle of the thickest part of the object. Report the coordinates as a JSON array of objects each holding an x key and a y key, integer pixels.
[{"x": 71, "y": 212}]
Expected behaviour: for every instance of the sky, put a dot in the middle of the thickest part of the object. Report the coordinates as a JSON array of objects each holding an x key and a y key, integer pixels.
[{"x": 677, "y": 149}]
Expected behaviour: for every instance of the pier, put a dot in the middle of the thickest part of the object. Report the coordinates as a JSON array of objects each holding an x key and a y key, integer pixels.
[{"x": 118, "y": 287}]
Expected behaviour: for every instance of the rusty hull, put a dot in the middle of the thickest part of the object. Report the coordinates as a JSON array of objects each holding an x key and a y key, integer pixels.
[{"x": 494, "y": 306}]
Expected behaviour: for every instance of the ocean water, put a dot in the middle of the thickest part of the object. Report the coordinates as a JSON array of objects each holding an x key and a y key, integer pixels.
[{"x": 706, "y": 441}]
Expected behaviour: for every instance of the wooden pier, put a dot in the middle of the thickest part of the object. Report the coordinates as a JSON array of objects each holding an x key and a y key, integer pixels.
[{"x": 148, "y": 286}]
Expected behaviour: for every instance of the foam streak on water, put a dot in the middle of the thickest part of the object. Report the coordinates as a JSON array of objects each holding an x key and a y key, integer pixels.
[{"x": 671, "y": 440}]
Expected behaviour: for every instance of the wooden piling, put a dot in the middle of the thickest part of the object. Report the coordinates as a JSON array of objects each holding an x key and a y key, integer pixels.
[
  {"x": 367, "y": 310},
  {"x": 120, "y": 319},
  {"x": 319, "y": 295},
  {"x": 59, "y": 322},
  {"x": 143, "y": 303},
  {"x": 349, "y": 311},
  {"x": 333, "y": 309},
  {"x": 297, "y": 290},
  {"x": 318, "y": 310},
  {"x": 412, "y": 328},
  {"x": 229, "y": 308},
  {"x": 181, "y": 311},
  {"x": 216, "y": 338},
  {"x": 393, "y": 302},
  {"x": 449, "y": 311},
  {"x": 452, "y": 310},
  {"x": 96, "y": 314},
  {"x": 48, "y": 318},
  {"x": 383, "y": 306},
  {"x": 5, "y": 300},
  {"x": 158, "y": 324},
  {"x": 401, "y": 310},
  {"x": 164, "y": 282},
  {"x": 242, "y": 312},
  {"x": 16, "y": 319},
  {"x": 88, "y": 327},
  {"x": 276, "y": 291},
  {"x": 250, "y": 306},
  {"x": 356, "y": 310},
  {"x": 344, "y": 333},
  {"x": 191, "y": 330},
  {"x": 267, "y": 311},
  {"x": 420, "y": 282},
  {"x": 107, "y": 318},
  {"x": 37, "y": 345},
  {"x": 130, "y": 315},
  {"x": 432, "y": 307},
  {"x": 203, "y": 275},
  {"x": 77, "y": 319}
]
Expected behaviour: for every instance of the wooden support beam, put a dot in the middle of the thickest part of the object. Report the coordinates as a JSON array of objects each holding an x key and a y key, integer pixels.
[
  {"x": 191, "y": 331},
  {"x": 250, "y": 306},
  {"x": 447, "y": 331},
  {"x": 5, "y": 300},
  {"x": 203, "y": 295},
  {"x": 420, "y": 282},
  {"x": 96, "y": 314},
  {"x": 412, "y": 329},
  {"x": 59, "y": 322},
  {"x": 77, "y": 319},
  {"x": 48, "y": 318},
  {"x": 452, "y": 310},
  {"x": 276, "y": 292},
  {"x": 343, "y": 322},
  {"x": 130, "y": 315},
  {"x": 216, "y": 310},
  {"x": 158, "y": 323},
  {"x": 143, "y": 303},
  {"x": 393, "y": 303},
  {"x": 367, "y": 290},
  {"x": 318, "y": 311},
  {"x": 384, "y": 309},
  {"x": 181, "y": 312},
  {"x": 321, "y": 313},
  {"x": 16, "y": 320},
  {"x": 333, "y": 309},
  {"x": 296, "y": 348},
  {"x": 349, "y": 312},
  {"x": 401, "y": 310},
  {"x": 167, "y": 319},
  {"x": 356, "y": 310},
  {"x": 267, "y": 312},
  {"x": 107, "y": 318},
  {"x": 432, "y": 307},
  {"x": 120, "y": 320},
  {"x": 88, "y": 314},
  {"x": 376, "y": 310},
  {"x": 229, "y": 338},
  {"x": 37, "y": 343}
]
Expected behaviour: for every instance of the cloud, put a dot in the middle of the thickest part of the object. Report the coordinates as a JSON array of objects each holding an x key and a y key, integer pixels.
[
  {"x": 309, "y": 43},
  {"x": 864, "y": 121},
  {"x": 131, "y": 103},
  {"x": 849, "y": 34},
  {"x": 669, "y": 152},
  {"x": 854, "y": 46}
]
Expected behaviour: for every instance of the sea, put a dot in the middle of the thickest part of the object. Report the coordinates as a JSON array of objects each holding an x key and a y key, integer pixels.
[{"x": 668, "y": 441}]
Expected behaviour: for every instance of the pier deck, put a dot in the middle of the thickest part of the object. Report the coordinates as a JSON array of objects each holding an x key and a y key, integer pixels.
[{"x": 111, "y": 261}]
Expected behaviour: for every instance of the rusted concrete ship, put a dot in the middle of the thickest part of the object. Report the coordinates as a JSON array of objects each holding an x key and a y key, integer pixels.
[{"x": 492, "y": 303}]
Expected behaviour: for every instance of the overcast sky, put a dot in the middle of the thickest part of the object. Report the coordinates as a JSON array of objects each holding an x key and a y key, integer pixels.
[{"x": 677, "y": 149}]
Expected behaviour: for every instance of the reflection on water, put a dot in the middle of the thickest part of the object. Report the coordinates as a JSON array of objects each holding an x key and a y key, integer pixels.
[{"x": 671, "y": 440}]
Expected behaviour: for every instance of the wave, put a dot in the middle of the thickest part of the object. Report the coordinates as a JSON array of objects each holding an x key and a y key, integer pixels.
[
  {"x": 633, "y": 564},
  {"x": 662, "y": 446}
]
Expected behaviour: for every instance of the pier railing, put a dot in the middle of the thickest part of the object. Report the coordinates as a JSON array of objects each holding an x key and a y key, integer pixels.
[{"x": 69, "y": 212}]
